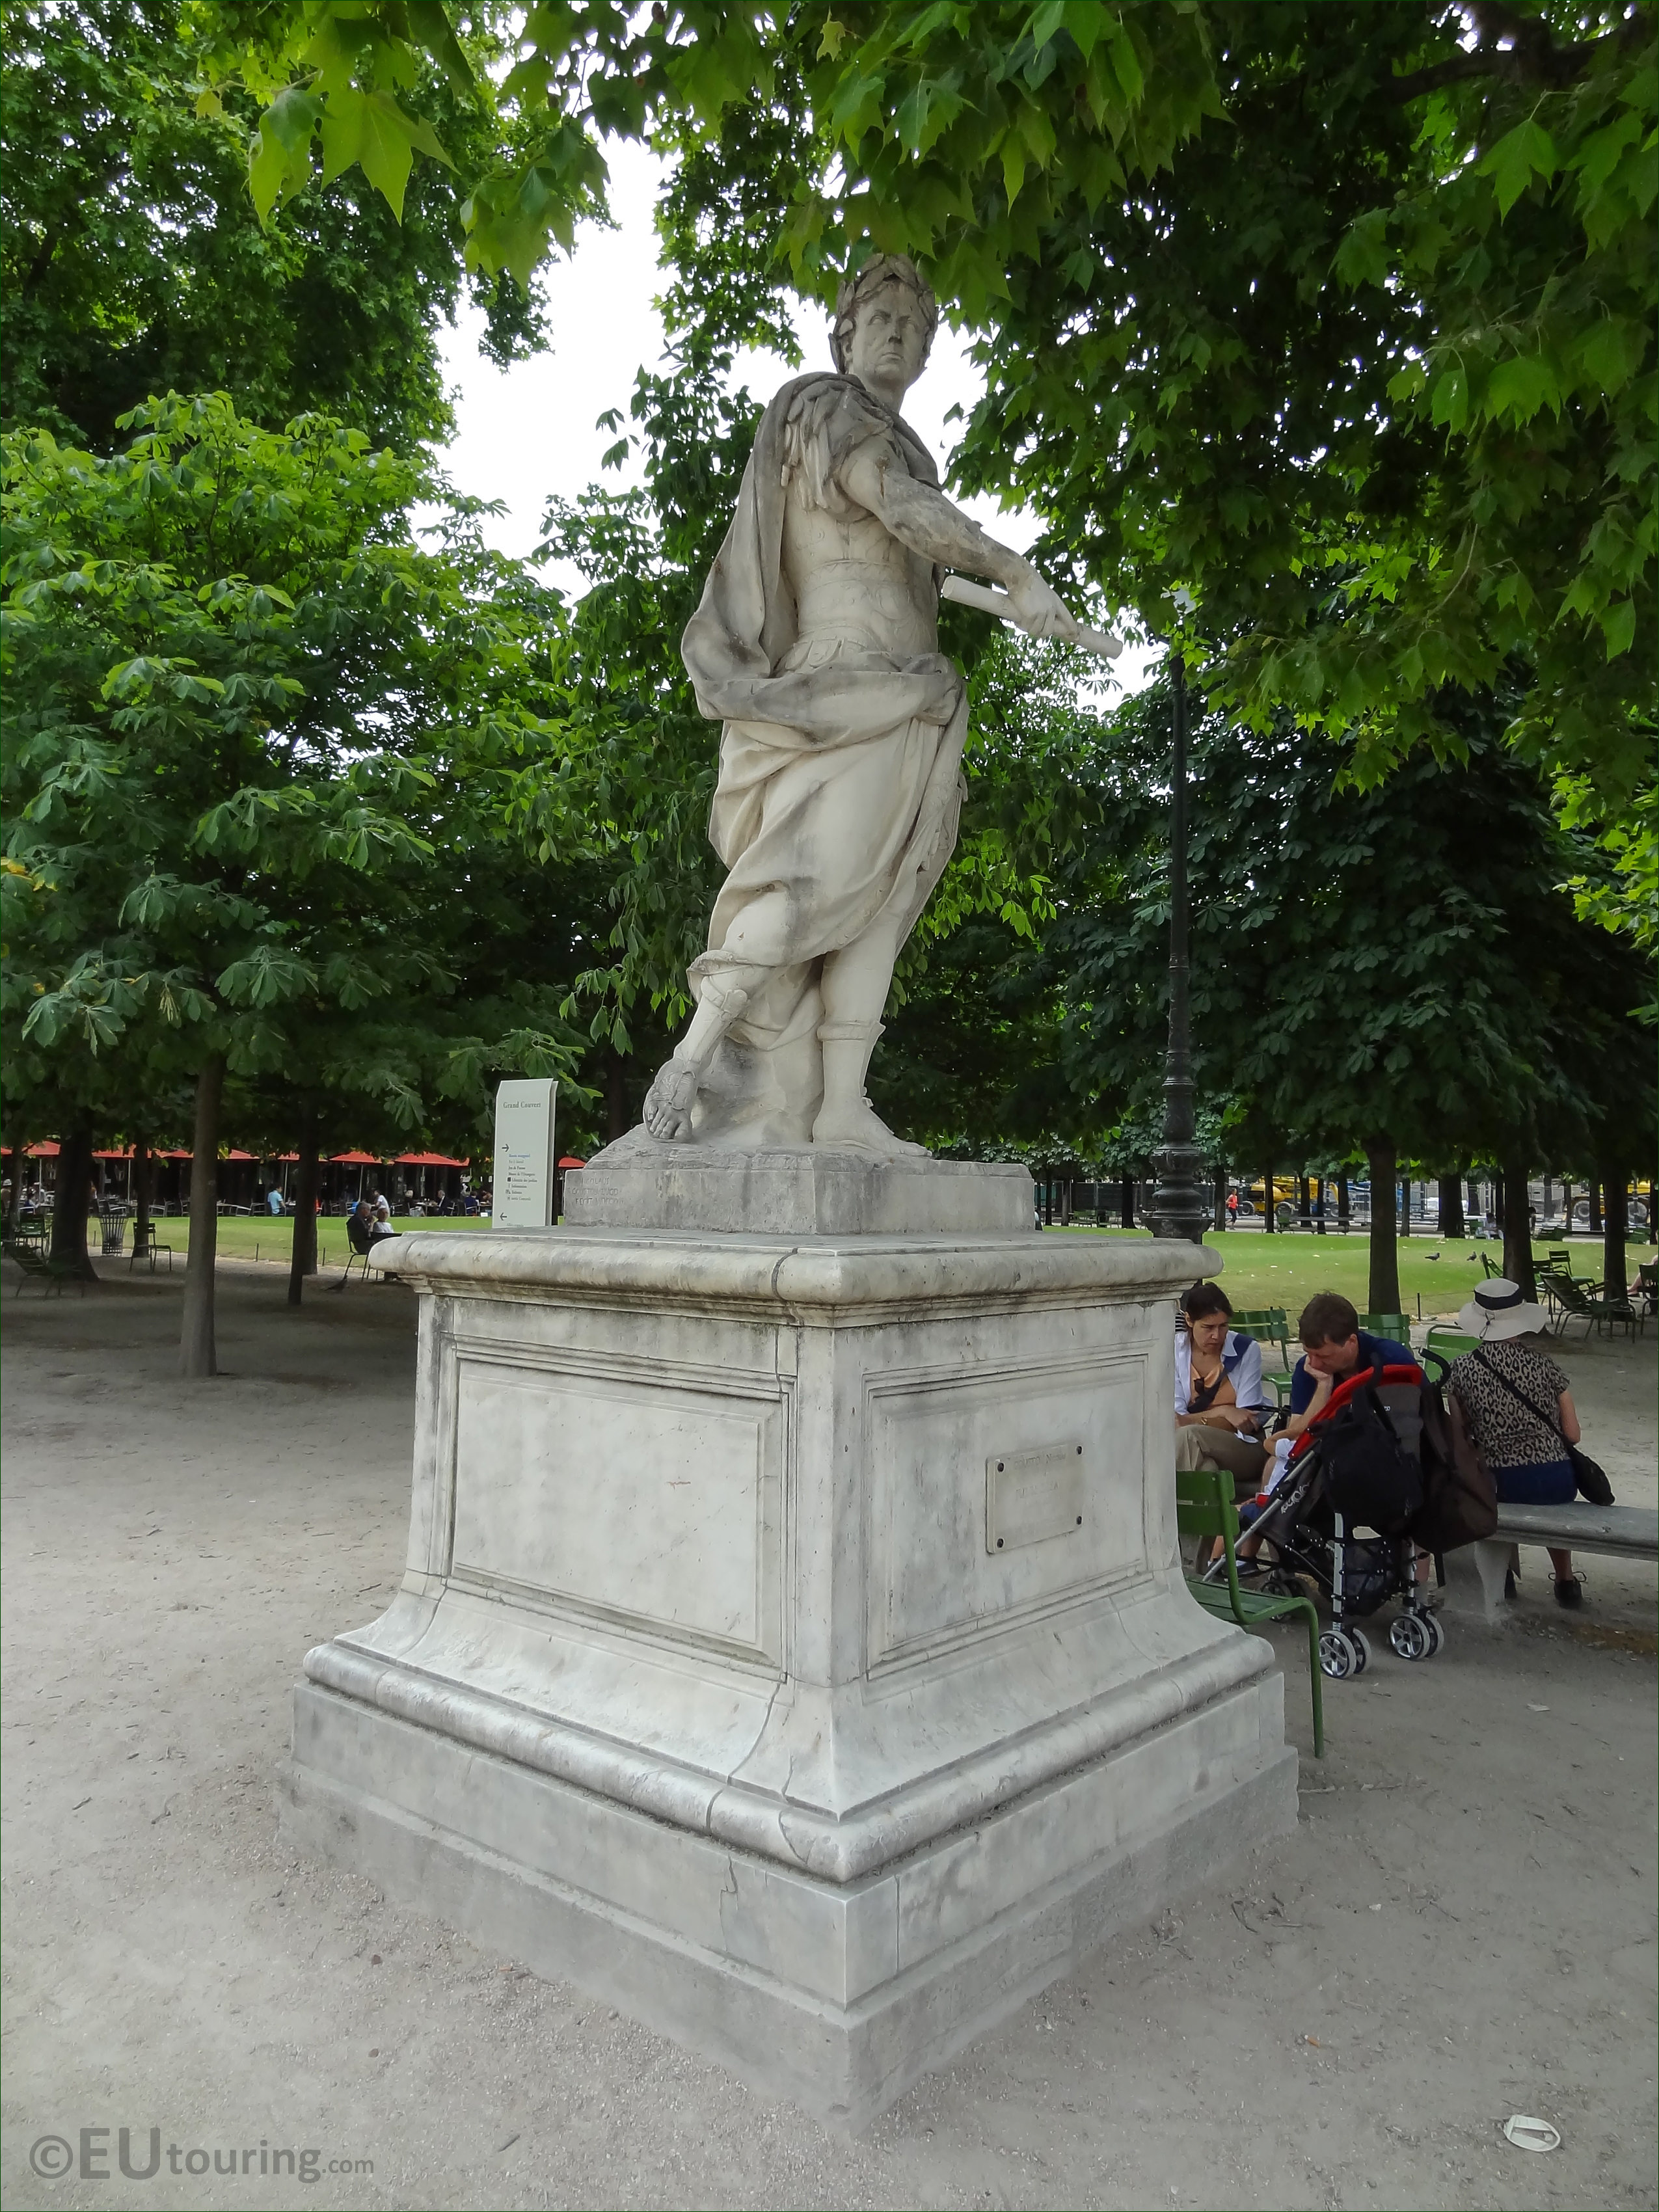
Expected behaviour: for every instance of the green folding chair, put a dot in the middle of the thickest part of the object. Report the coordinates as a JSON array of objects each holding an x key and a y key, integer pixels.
[
  {"x": 1449, "y": 1344},
  {"x": 1394, "y": 1325},
  {"x": 1268, "y": 1325},
  {"x": 1204, "y": 1507}
]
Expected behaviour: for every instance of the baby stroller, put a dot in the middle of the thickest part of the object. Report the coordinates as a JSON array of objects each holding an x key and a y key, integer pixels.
[{"x": 1358, "y": 1467}]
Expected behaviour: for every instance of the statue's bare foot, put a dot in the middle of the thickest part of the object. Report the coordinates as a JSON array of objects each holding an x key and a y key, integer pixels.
[
  {"x": 858, "y": 1129},
  {"x": 669, "y": 1102}
]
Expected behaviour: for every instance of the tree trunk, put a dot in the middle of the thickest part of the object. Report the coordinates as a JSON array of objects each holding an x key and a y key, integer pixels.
[
  {"x": 20, "y": 1160},
  {"x": 140, "y": 1194},
  {"x": 1594, "y": 1195},
  {"x": 196, "y": 1353},
  {"x": 1383, "y": 1294},
  {"x": 1127, "y": 1200},
  {"x": 1268, "y": 1202},
  {"x": 1517, "y": 1227},
  {"x": 1615, "y": 1282},
  {"x": 1344, "y": 1205},
  {"x": 69, "y": 1210},
  {"x": 304, "y": 1262},
  {"x": 1220, "y": 1195},
  {"x": 1452, "y": 1206}
]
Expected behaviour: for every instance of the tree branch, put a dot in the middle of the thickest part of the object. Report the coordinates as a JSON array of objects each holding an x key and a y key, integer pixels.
[{"x": 1531, "y": 58}]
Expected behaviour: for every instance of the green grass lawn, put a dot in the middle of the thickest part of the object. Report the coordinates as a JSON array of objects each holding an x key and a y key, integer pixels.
[
  {"x": 268, "y": 1237},
  {"x": 1260, "y": 1270},
  {"x": 1286, "y": 1271}
]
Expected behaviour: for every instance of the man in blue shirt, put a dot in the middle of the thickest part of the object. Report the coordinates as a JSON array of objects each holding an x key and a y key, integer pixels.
[{"x": 1333, "y": 1347}]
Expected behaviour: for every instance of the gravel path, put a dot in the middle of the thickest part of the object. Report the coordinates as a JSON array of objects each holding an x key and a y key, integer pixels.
[{"x": 1461, "y": 1928}]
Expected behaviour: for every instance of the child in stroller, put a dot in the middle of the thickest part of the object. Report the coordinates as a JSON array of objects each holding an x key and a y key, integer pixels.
[{"x": 1356, "y": 1465}]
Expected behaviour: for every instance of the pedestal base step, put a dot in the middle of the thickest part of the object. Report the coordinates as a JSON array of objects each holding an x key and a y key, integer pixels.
[
  {"x": 834, "y": 1997},
  {"x": 803, "y": 1191}
]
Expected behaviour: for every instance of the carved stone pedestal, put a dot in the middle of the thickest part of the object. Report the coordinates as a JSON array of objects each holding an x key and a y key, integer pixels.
[{"x": 794, "y": 1649}]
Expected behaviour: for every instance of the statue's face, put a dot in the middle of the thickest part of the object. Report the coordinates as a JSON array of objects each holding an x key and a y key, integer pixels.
[{"x": 890, "y": 340}]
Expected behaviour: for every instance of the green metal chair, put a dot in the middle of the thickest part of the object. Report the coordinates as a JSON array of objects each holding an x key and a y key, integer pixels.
[
  {"x": 1579, "y": 1303},
  {"x": 1394, "y": 1325},
  {"x": 1450, "y": 1343},
  {"x": 1268, "y": 1325},
  {"x": 1204, "y": 1507}
]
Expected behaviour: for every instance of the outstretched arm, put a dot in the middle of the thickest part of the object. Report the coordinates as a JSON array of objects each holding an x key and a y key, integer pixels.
[{"x": 933, "y": 526}]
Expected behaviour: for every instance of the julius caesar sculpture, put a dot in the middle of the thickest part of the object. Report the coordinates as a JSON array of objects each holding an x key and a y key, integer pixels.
[{"x": 816, "y": 645}]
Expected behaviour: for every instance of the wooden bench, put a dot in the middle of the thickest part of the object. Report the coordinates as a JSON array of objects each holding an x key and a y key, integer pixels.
[{"x": 1624, "y": 1532}]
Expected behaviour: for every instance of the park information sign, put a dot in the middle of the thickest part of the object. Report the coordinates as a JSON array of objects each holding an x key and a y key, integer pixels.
[{"x": 525, "y": 1160}]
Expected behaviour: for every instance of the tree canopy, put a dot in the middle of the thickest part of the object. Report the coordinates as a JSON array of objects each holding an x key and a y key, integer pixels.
[
  {"x": 134, "y": 262},
  {"x": 1340, "y": 317},
  {"x": 266, "y": 755}
]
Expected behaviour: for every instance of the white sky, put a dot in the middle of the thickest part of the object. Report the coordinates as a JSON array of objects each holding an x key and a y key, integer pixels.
[{"x": 525, "y": 433}]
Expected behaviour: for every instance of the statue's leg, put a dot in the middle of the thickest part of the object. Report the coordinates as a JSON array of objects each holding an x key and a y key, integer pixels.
[
  {"x": 854, "y": 985},
  {"x": 754, "y": 946}
]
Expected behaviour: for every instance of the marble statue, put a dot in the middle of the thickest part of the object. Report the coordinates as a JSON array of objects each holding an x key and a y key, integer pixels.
[
  {"x": 816, "y": 645},
  {"x": 794, "y": 1649}
]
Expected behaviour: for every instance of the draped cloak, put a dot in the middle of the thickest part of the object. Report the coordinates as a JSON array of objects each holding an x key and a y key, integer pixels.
[{"x": 839, "y": 781}]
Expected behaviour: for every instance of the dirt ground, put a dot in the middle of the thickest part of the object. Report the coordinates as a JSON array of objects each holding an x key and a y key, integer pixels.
[{"x": 1461, "y": 1929}]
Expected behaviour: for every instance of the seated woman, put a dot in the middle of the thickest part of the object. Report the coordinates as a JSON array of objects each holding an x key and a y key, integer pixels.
[
  {"x": 1218, "y": 1405},
  {"x": 1519, "y": 1410}
]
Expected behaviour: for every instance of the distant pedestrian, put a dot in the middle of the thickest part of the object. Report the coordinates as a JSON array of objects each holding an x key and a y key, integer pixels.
[{"x": 273, "y": 1201}]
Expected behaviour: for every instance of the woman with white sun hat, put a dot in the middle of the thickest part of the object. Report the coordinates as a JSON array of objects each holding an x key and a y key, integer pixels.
[{"x": 1519, "y": 1409}]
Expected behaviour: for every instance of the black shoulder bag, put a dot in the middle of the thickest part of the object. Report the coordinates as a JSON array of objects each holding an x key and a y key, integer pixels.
[{"x": 1589, "y": 1476}]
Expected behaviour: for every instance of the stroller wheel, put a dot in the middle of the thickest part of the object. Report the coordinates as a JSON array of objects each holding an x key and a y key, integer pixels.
[
  {"x": 1362, "y": 1648},
  {"x": 1410, "y": 1637},
  {"x": 1437, "y": 1633},
  {"x": 1337, "y": 1656}
]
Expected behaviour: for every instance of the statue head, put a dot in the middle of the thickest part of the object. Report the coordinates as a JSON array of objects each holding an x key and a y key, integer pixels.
[{"x": 885, "y": 318}]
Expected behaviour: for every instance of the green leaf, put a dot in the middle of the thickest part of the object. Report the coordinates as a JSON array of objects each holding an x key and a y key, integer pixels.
[
  {"x": 1526, "y": 152},
  {"x": 1127, "y": 64},
  {"x": 1450, "y": 403},
  {"x": 1619, "y": 626},
  {"x": 1612, "y": 353},
  {"x": 343, "y": 131},
  {"x": 271, "y": 173},
  {"x": 1013, "y": 166},
  {"x": 430, "y": 27},
  {"x": 1520, "y": 386},
  {"x": 292, "y": 118},
  {"x": 1363, "y": 256},
  {"x": 386, "y": 152},
  {"x": 329, "y": 56}
]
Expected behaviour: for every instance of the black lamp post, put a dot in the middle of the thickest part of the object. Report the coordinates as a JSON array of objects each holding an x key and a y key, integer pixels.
[{"x": 1179, "y": 1207}]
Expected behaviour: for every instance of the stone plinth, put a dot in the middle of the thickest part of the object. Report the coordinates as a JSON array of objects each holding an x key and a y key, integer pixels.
[
  {"x": 794, "y": 1648},
  {"x": 798, "y": 1190}
]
